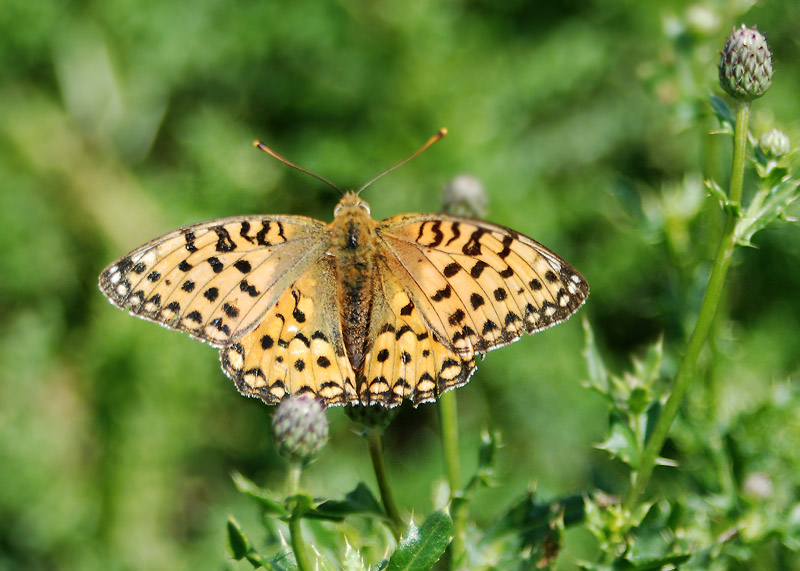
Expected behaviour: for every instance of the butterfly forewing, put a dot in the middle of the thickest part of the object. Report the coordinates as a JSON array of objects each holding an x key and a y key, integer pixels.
[
  {"x": 478, "y": 285},
  {"x": 215, "y": 280},
  {"x": 297, "y": 347}
]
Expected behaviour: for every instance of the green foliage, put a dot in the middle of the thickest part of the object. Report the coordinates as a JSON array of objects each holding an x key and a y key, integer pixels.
[
  {"x": 421, "y": 547},
  {"x": 590, "y": 127}
]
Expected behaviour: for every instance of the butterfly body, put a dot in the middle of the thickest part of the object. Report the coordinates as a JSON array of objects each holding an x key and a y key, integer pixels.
[
  {"x": 354, "y": 311},
  {"x": 354, "y": 240}
]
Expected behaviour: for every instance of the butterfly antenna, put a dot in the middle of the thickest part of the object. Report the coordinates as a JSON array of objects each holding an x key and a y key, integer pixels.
[
  {"x": 441, "y": 133},
  {"x": 266, "y": 149}
]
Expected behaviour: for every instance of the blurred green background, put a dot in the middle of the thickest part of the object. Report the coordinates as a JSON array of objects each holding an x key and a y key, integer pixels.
[{"x": 587, "y": 122}]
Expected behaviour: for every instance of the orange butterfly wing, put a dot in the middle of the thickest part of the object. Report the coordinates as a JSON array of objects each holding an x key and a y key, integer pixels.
[{"x": 215, "y": 280}]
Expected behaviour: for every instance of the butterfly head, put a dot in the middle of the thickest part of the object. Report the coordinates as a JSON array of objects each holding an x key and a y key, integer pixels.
[{"x": 351, "y": 203}]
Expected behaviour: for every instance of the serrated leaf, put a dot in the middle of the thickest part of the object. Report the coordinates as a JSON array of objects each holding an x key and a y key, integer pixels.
[
  {"x": 271, "y": 506},
  {"x": 421, "y": 547},
  {"x": 353, "y": 560},
  {"x": 722, "y": 111},
  {"x": 621, "y": 442},
  {"x": 359, "y": 501},
  {"x": 764, "y": 210}
]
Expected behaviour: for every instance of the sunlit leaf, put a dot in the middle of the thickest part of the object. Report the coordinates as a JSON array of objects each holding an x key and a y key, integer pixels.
[{"x": 421, "y": 547}]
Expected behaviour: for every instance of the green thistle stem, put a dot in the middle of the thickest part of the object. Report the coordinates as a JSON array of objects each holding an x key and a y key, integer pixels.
[
  {"x": 375, "y": 443},
  {"x": 705, "y": 318},
  {"x": 448, "y": 420},
  {"x": 295, "y": 531}
]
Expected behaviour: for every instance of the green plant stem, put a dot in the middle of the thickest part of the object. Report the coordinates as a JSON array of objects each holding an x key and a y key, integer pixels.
[
  {"x": 295, "y": 531},
  {"x": 448, "y": 420},
  {"x": 375, "y": 443},
  {"x": 704, "y": 319}
]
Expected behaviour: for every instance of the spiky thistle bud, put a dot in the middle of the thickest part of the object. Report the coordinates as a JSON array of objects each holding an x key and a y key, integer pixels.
[
  {"x": 465, "y": 196},
  {"x": 300, "y": 428},
  {"x": 378, "y": 417},
  {"x": 774, "y": 144},
  {"x": 745, "y": 68}
]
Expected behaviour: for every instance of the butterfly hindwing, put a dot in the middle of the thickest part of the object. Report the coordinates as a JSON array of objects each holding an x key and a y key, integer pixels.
[
  {"x": 215, "y": 280},
  {"x": 476, "y": 284},
  {"x": 297, "y": 347},
  {"x": 404, "y": 360}
]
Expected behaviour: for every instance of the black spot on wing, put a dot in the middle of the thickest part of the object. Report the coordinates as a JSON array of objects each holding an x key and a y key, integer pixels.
[
  {"x": 261, "y": 235},
  {"x": 478, "y": 268},
  {"x": 122, "y": 267},
  {"x": 402, "y": 331},
  {"x": 230, "y": 310},
  {"x": 249, "y": 289},
  {"x": 455, "y": 228},
  {"x": 189, "y": 238},
  {"x": 220, "y": 326},
  {"x": 456, "y": 317},
  {"x": 438, "y": 235},
  {"x": 507, "y": 241},
  {"x": 473, "y": 245},
  {"x": 451, "y": 269},
  {"x": 298, "y": 315},
  {"x": 244, "y": 230},
  {"x": 443, "y": 293},
  {"x": 303, "y": 339},
  {"x": 224, "y": 242}
]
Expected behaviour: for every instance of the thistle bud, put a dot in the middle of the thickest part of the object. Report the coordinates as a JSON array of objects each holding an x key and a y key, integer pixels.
[
  {"x": 745, "y": 69},
  {"x": 378, "y": 417},
  {"x": 300, "y": 428},
  {"x": 465, "y": 196},
  {"x": 774, "y": 144}
]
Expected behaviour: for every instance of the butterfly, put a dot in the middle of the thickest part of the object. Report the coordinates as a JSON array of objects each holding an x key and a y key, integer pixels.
[{"x": 354, "y": 311}]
